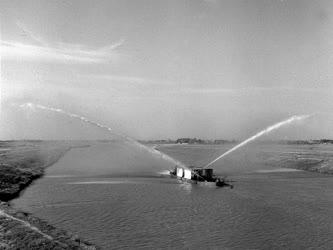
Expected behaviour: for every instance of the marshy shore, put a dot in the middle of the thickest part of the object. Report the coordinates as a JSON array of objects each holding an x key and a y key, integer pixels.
[{"x": 21, "y": 162}]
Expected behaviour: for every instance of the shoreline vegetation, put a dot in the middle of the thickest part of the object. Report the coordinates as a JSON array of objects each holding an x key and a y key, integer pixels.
[
  {"x": 22, "y": 162},
  {"x": 222, "y": 141}
]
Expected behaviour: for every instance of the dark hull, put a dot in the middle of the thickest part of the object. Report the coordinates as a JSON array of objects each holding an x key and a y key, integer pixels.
[{"x": 205, "y": 183}]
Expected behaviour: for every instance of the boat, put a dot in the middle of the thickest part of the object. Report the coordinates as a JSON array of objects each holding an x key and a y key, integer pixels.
[{"x": 199, "y": 175}]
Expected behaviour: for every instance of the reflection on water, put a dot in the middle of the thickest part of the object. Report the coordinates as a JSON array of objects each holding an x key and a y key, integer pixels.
[
  {"x": 265, "y": 210},
  {"x": 277, "y": 170},
  {"x": 186, "y": 187},
  {"x": 101, "y": 182},
  {"x": 59, "y": 176}
]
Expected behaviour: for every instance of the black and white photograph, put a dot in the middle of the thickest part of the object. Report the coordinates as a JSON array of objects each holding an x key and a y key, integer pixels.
[{"x": 166, "y": 124}]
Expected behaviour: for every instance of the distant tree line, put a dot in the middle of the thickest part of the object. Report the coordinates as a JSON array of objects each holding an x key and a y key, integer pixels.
[
  {"x": 189, "y": 141},
  {"x": 309, "y": 142},
  {"x": 222, "y": 141}
]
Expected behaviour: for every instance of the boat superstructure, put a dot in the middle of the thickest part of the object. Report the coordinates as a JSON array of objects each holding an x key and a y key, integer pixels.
[{"x": 198, "y": 175}]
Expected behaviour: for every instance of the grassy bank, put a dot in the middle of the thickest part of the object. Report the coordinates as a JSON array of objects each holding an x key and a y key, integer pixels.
[
  {"x": 21, "y": 162},
  {"x": 313, "y": 158}
]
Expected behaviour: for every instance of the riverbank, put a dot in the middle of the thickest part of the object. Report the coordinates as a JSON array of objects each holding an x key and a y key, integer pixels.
[
  {"x": 21, "y": 162},
  {"x": 313, "y": 158},
  {"x": 316, "y": 157}
]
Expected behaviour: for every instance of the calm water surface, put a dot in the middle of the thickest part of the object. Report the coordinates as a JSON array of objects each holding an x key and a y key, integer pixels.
[{"x": 266, "y": 209}]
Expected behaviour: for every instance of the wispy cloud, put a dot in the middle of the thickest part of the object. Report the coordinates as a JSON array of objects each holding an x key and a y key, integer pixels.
[
  {"x": 28, "y": 32},
  {"x": 174, "y": 87},
  {"x": 123, "y": 79},
  {"x": 42, "y": 51},
  {"x": 113, "y": 45},
  {"x": 61, "y": 52},
  {"x": 210, "y": 1},
  {"x": 244, "y": 91}
]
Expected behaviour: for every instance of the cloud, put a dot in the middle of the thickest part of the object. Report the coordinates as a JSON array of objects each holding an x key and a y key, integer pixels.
[
  {"x": 42, "y": 51},
  {"x": 113, "y": 46},
  {"x": 26, "y": 31},
  {"x": 210, "y": 1},
  {"x": 255, "y": 90},
  {"x": 122, "y": 79},
  {"x": 186, "y": 88},
  {"x": 60, "y": 53}
]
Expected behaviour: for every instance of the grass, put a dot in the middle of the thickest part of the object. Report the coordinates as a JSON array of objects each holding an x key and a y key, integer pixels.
[{"x": 21, "y": 162}]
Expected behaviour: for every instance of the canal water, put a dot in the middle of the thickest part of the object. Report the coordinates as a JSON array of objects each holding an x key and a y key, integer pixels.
[{"x": 116, "y": 198}]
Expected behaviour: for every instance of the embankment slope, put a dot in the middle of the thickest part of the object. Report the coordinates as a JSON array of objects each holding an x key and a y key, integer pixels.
[{"x": 21, "y": 162}]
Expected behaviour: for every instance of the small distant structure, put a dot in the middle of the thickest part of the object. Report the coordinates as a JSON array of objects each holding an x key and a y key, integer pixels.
[
  {"x": 189, "y": 141},
  {"x": 221, "y": 141},
  {"x": 183, "y": 140}
]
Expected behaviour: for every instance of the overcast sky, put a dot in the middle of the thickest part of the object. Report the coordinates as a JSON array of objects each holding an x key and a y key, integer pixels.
[{"x": 166, "y": 69}]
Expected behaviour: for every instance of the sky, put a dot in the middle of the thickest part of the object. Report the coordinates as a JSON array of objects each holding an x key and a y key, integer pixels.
[{"x": 166, "y": 69}]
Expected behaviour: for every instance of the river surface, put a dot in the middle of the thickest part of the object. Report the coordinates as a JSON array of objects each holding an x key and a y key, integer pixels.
[{"x": 98, "y": 193}]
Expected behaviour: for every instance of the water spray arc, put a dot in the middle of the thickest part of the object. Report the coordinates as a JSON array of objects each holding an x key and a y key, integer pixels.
[
  {"x": 125, "y": 137},
  {"x": 261, "y": 133}
]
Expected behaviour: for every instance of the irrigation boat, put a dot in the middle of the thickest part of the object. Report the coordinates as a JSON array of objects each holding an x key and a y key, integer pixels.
[{"x": 199, "y": 175}]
